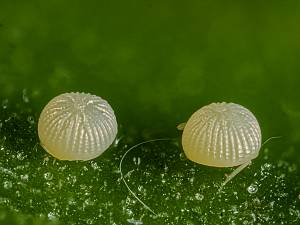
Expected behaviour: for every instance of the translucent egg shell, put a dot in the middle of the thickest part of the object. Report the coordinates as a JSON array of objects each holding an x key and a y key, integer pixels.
[
  {"x": 77, "y": 126},
  {"x": 222, "y": 135}
]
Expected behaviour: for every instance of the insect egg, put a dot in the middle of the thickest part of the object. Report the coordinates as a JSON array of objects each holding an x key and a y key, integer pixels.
[
  {"x": 222, "y": 135},
  {"x": 77, "y": 126}
]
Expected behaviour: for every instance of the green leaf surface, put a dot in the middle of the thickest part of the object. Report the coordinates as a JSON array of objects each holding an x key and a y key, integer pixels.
[{"x": 156, "y": 62}]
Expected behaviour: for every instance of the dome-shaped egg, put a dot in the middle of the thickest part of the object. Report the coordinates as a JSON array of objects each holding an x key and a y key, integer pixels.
[
  {"x": 222, "y": 135},
  {"x": 77, "y": 126}
]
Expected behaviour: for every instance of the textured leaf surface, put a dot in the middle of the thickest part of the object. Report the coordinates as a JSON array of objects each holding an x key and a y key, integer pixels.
[{"x": 155, "y": 63}]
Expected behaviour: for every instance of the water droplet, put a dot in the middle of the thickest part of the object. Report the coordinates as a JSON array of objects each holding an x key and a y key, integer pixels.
[
  {"x": 252, "y": 189},
  {"x": 199, "y": 196},
  {"x": 88, "y": 202},
  {"x": 292, "y": 168},
  {"x": 30, "y": 119},
  {"x": 35, "y": 191},
  {"x": 116, "y": 142},
  {"x": 71, "y": 179},
  {"x": 192, "y": 179},
  {"x": 52, "y": 216},
  {"x": 135, "y": 222},
  {"x": 48, "y": 176},
  {"x": 94, "y": 165},
  {"x": 234, "y": 209},
  {"x": 7, "y": 184},
  {"x": 129, "y": 211},
  {"x": 141, "y": 188},
  {"x": 136, "y": 161},
  {"x": 4, "y": 103},
  {"x": 266, "y": 166},
  {"x": 256, "y": 202},
  {"x": 18, "y": 194},
  {"x": 71, "y": 201},
  {"x": 20, "y": 156},
  {"x": 178, "y": 195},
  {"x": 24, "y": 96},
  {"x": 90, "y": 221},
  {"x": 24, "y": 177},
  {"x": 4, "y": 201}
]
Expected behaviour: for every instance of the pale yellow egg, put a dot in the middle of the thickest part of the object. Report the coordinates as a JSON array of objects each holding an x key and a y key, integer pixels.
[
  {"x": 222, "y": 135},
  {"x": 77, "y": 126}
]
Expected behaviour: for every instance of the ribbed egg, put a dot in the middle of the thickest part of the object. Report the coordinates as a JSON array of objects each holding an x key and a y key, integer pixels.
[
  {"x": 222, "y": 135},
  {"x": 77, "y": 126}
]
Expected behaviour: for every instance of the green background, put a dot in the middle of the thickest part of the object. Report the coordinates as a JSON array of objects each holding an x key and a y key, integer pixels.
[{"x": 156, "y": 62}]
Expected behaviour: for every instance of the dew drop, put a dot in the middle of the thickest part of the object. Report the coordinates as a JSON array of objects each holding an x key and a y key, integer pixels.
[
  {"x": 292, "y": 168},
  {"x": 71, "y": 179},
  {"x": 30, "y": 119},
  {"x": 35, "y": 191},
  {"x": 116, "y": 141},
  {"x": 25, "y": 96},
  {"x": 135, "y": 222},
  {"x": 129, "y": 212},
  {"x": 178, "y": 195},
  {"x": 266, "y": 166},
  {"x": 48, "y": 176},
  {"x": 252, "y": 189},
  {"x": 234, "y": 209},
  {"x": 7, "y": 184},
  {"x": 24, "y": 177},
  {"x": 18, "y": 194},
  {"x": 90, "y": 221},
  {"x": 4, "y": 103},
  {"x": 94, "y": 165},
  {"x": 199, "y": 196},
  {"x": 52, "y": 216},
  {"x": 20, "y": 156}
]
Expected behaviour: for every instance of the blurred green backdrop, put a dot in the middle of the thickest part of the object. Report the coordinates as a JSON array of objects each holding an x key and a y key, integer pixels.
[{"x": 156, "y": 62}]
